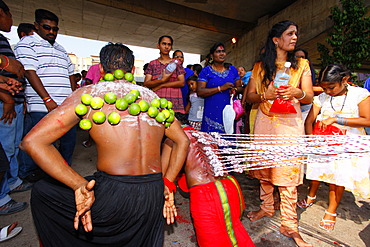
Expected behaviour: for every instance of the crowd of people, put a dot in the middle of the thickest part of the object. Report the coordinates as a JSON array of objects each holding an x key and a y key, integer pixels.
[{"x": 128, "y": 199}]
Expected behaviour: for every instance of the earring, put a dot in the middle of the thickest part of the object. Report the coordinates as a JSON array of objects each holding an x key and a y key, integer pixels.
[
  {"x": 210, "y": 61},
  {"x": 276, "y": 45}
]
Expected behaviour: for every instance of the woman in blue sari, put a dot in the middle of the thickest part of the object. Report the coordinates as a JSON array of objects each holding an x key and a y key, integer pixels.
[{"x": 216, "y": 83}]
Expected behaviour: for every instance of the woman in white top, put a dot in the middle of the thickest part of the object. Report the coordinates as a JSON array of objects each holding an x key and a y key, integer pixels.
[{"x": 347, "y": 108}]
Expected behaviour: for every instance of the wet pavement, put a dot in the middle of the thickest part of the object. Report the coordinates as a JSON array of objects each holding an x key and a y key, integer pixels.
[{"x": 352, "y": 227}]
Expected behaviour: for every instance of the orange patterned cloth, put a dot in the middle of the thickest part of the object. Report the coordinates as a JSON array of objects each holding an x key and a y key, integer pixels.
[{"x": 288, "y": 200}]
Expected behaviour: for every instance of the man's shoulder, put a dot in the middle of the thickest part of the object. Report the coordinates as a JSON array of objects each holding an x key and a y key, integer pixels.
[
  {"x": 59, "y": 47},
  {"x": 27, "y": 41},
  {"x": 2, "y": 37}
]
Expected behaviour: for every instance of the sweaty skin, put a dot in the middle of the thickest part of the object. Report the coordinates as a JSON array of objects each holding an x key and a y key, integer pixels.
[
  {"x": 197, "y": 167},
  {"x": 136, "y": 142},
  {"x": 124, "y": 149}
]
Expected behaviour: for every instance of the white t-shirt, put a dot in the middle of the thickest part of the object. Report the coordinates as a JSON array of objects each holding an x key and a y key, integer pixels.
[{"x": 52, "y": 65}]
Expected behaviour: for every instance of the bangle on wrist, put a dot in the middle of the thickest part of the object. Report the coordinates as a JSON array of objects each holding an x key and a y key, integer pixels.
[
  {"x": 303, "y": 95},
  {"x": 48, "y": 100},
  {"x": 219, "y": 89},
  {"x": 263, "y": 97},
  {"x": 341, "y": 120},
  {"x": 6, "y": 62},
  {"x": 170, "y": 185}
]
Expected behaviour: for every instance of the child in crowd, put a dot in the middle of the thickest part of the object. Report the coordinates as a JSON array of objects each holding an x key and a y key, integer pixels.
[
  {"x": 348, "y": 108},
  {"x": 196, "y": 104}
]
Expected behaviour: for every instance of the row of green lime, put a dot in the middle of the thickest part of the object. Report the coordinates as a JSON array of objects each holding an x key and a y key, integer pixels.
[
  {"x": 160, "y": 109},
  {"x": 119, "y": 74}
]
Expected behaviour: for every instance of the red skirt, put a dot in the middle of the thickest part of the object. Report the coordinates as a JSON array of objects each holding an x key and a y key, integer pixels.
[{"x": 216, "y": 209}]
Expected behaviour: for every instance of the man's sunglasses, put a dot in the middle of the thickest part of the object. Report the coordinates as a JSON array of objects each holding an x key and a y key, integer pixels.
[{"x": 48, "y": 28}]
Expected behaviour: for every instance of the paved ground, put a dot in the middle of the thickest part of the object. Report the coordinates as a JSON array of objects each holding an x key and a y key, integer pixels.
[{"x": 352, "y": 228}]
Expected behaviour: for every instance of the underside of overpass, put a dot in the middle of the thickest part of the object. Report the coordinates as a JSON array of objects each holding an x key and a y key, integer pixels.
[{"x": 195, "y": 25}]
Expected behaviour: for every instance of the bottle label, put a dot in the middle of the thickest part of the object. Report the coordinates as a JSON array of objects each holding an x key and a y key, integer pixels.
[
  {"x": 171, "y": 67},
  {"x": 281, "y": 79}
]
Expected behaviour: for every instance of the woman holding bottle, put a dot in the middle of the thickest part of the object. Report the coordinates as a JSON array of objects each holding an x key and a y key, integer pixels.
[{"x": 278, "y": 50}]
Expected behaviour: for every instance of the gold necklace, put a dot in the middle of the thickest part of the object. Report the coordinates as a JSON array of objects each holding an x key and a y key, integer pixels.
[{"x": 214, "y": 68}]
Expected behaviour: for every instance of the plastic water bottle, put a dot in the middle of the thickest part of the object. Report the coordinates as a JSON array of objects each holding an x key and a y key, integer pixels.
[
  {"x": 169, "y": 68},
  {"x": 282, "y": 76}
]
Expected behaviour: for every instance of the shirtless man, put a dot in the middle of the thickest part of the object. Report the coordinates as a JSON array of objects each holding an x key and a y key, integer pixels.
[
  {"x": 122, "y": 203},
  {"x": 216, "y": 203}
]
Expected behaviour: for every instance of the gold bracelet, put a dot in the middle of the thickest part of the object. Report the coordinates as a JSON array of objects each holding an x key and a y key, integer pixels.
[
  {"x": 263, "y": 97},
  {"x": 6, "y": 62},
  {"x": 219, "y": 89},
  {"x": 48, "y": 100}
]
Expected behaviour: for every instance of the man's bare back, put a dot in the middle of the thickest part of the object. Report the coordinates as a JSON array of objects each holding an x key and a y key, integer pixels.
[
  {"x": 131, "y": 147},
  {"x": 129, "y": 164}
]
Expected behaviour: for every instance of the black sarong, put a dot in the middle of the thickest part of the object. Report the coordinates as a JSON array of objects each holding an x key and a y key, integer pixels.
[{"x": 127, "y": 212}]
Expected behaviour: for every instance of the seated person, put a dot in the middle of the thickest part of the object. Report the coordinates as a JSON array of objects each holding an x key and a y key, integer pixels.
[{"x": 216, "y": 203}]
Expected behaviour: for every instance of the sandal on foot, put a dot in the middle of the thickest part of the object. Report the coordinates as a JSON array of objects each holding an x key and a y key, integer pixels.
[
  {"x": 330, "y": 223},
  {"x": 6, "y": 235},
  {"x": 303, "y": 203}
]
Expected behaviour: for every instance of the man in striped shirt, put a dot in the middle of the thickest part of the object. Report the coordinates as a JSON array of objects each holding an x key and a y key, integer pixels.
[{"x": 49, "y": 72}]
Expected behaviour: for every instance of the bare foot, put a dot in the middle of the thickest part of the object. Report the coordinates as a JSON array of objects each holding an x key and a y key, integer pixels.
[
  {"x": 256, "y": 215},
  {"x": 295, "y": 236}
]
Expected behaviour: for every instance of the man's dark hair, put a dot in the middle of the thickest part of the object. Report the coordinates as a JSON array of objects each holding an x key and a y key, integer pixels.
[
  {"x": 43, "y": 14},
  {"x": 116, "y": 56},
  {"x": 4, "y": 7},
  {"x": 198, "y": 68},
  {"x": 25, "y": 28},
  {"x": 165, "y": 36}
]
